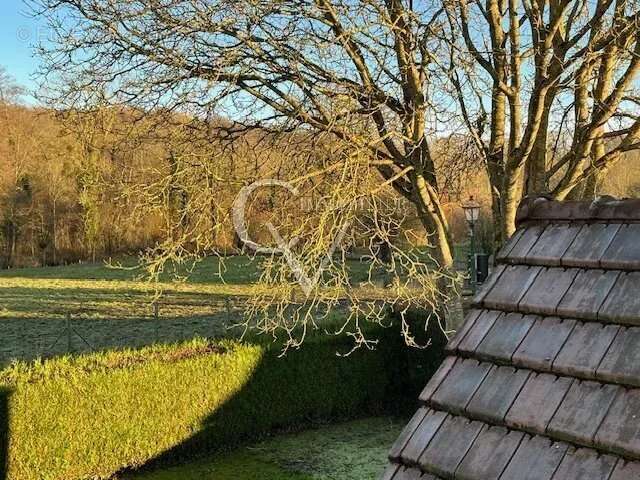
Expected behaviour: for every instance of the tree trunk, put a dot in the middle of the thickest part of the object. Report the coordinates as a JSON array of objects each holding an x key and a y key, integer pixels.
[
  {"x": 54, "y": 233},
  {"x": 506, "y": 193},
  {"x": 434, "y": 221},
  {"x": 511, "y": 196},
  {"x": 14, "y": 243},
  {"x": 496, "y": 163},
  {"x": 536, "y": 165}
]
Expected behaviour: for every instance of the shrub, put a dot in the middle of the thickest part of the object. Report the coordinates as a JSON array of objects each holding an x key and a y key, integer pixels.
[{"x": 93, "y": 415}]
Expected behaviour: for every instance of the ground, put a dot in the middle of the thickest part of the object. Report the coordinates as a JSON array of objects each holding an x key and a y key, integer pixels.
[
  {"x": 112, "y": 307},
  {"x": 57, "y": 310},
  {"x": 350, "y": 451}
]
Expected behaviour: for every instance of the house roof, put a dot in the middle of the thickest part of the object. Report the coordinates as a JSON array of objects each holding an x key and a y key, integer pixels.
[{"x": 543, "y": 380}]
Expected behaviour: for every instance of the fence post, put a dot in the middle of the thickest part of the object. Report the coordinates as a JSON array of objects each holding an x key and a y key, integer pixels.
[
  {"x": 156, "y": 319},
  {"x": 227, "y": 303},
  {"x": 68, "y": 325}
]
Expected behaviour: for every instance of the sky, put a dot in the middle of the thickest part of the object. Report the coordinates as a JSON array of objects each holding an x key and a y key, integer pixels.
[{"x": 18, "y": 33}]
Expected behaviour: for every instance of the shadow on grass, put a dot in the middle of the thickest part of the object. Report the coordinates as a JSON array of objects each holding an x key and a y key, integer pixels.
[
  {"x": 33, "y": 337},
  {"x": 4, "y": 432},
  {"x": 308, "y": 387}
]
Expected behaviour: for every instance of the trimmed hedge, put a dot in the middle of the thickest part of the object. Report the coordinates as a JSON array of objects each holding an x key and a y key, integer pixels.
[{"x": 94, "y": 415}]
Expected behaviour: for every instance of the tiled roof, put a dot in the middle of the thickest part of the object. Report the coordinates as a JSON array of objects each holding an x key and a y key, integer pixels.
[{"x": 542, "y": 382}]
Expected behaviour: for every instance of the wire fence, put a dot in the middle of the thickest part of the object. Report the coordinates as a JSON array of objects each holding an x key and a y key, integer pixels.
[{"x": 76, "y": 332}]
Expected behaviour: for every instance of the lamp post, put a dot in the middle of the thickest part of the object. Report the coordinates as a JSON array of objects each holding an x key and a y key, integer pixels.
[{"x": 472, "y": 213}]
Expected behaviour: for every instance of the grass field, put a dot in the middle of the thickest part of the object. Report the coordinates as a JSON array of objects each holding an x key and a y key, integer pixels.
[
  {"x": 349, "y": 451},
  {"x": 112, "y": 307},
  {"x": 57, "y": 310}
]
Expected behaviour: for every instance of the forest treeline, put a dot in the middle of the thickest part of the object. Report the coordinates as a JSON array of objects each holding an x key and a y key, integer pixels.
[
  {"x": 85, "y": 186},
  {"x": 55, "y": 202}
]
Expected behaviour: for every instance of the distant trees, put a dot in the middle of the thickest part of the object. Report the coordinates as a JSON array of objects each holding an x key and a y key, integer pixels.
[
  {"x": 86, "y": 185},
  {"x": 16, "y": 182},
  {"x": 39, "y": 209},
  {"x": 380, "y": 77}
]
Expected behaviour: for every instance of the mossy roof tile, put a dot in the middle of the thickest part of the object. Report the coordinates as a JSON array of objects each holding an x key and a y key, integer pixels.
[
  {"x": 585, "y": 348},
  {"x": 512, "y": 285},
  {"x": 505, "y": 336},
  {"x": 450, "y": 445},
  {"x": 621, "y": 364},
  {"x": 587, "y": 293},
  {"x": 547, "y": 291},
  {"x": 589, "y": 246},
  {"x": 623, "y": 302},
  {"x": 626, "y": 470},
  {"x": 585, "y": 464},
  {"x": 552, "y": 244},
  {"x": 422, "y": 437},
  {"x": 478, "y": 331},
  {"x": 620, "y": 429},
  {"x": 537, "y": 402},
  {"x": 624, "y": 251},
  {"x": 543, "y": 342},
  {"x": 496, "y": 394},
  {"x": 537, "y": 458},
  {"x": 496, "y": 443},
  {"x": 459, "y": 386},
  {"x": 582, "y": 411}
]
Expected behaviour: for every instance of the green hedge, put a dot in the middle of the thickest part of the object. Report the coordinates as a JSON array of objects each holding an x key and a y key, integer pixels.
[{"x": 92, "y": 416}]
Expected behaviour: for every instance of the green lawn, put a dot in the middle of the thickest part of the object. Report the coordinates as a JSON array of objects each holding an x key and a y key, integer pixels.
[
  {"x": 350, "y": 451},
  {"x": 104, "y": 291},
  {"x": 235, "y": 270},
  {"x": 101, "y": 291},
  {"x": 112, "y": 307}
]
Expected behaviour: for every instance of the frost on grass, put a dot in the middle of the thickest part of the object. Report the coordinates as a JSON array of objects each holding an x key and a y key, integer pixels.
[
  {"x": 351, "y": 451},
  {"x": 355, "y": 450}
]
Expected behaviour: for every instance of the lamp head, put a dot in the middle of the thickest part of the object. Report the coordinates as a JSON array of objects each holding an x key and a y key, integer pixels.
[{"x": 471, "y": 210}]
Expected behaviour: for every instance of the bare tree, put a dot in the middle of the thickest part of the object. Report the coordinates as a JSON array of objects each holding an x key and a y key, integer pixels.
[
  {"x": 557, "y": 70},
  {"x": 16, "y": 184},
  {"x": 359, "y": 71},
  {"x": 10, "y": 91}
]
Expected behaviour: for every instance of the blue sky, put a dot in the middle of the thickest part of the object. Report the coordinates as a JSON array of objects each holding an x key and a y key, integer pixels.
[{"x": 18, "y": 33}]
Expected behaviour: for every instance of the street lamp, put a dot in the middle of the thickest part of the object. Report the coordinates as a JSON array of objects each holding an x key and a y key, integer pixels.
[{"x": 472, "y": 213}]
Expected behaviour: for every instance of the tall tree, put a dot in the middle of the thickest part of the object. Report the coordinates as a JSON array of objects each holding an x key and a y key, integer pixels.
[
  {"x": 16, "y": 186},
  {"x": 563, "y": 92},
  {"x": 360, "y": 71}
]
